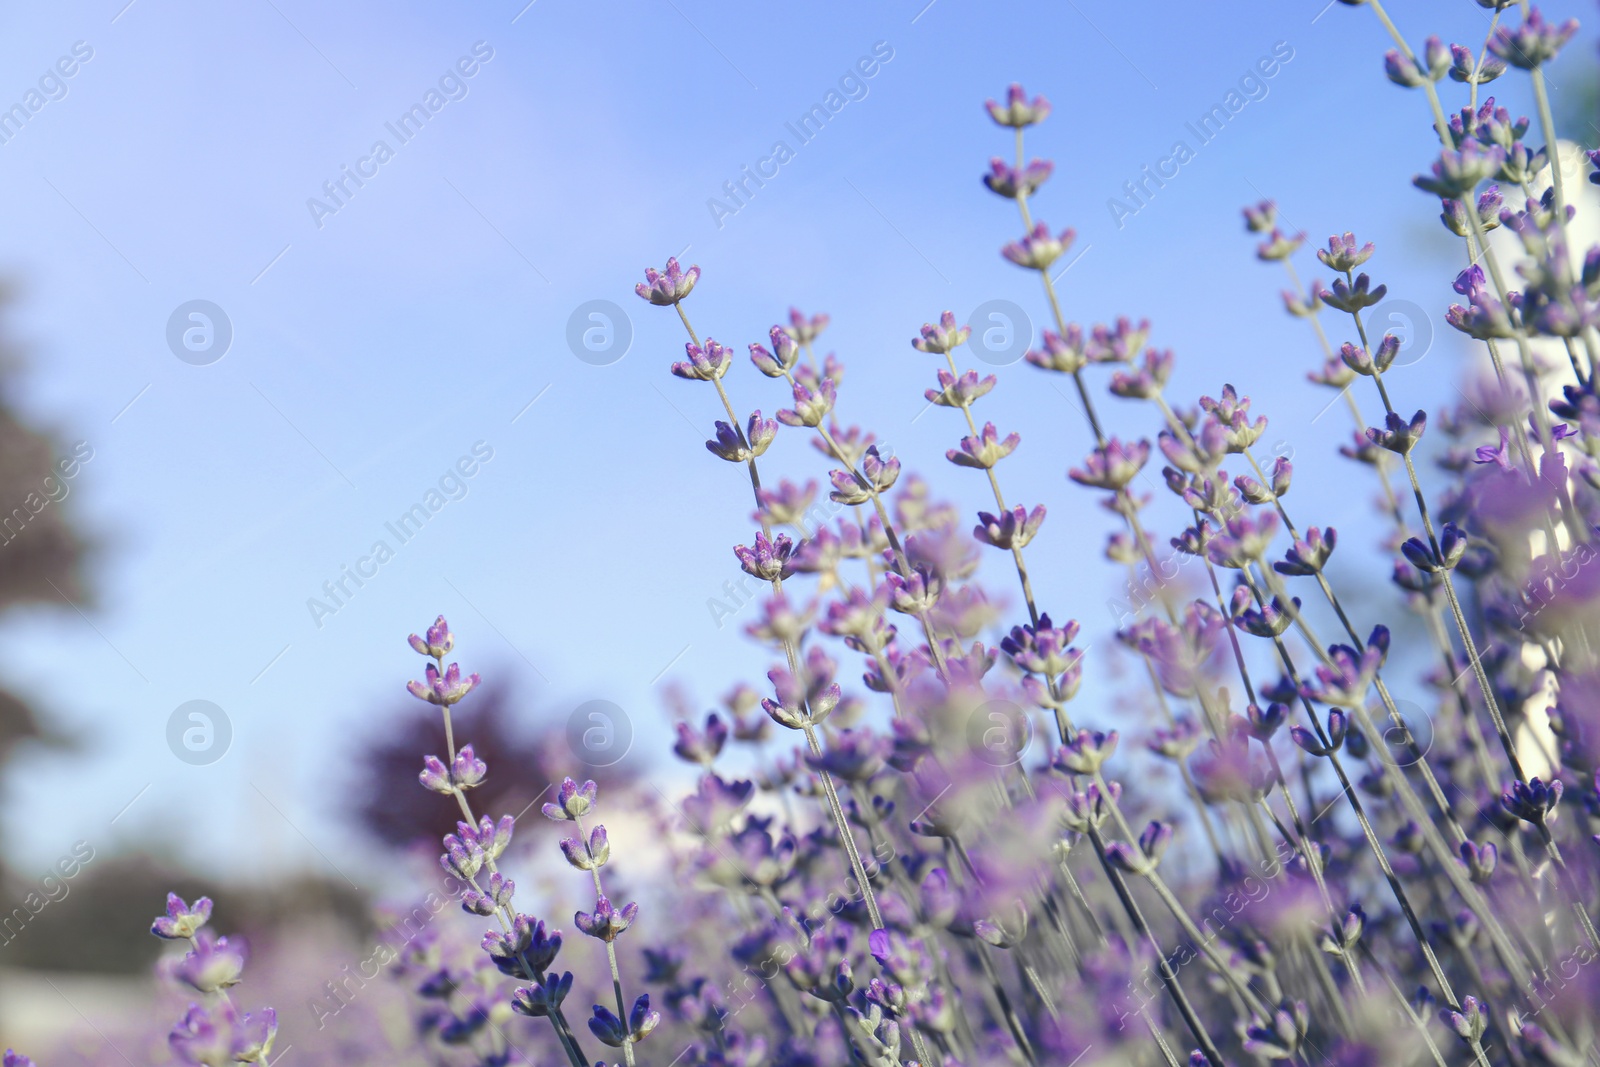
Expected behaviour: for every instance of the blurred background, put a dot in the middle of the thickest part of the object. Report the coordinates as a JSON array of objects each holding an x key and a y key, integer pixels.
[{"x": 257, "y": 342}]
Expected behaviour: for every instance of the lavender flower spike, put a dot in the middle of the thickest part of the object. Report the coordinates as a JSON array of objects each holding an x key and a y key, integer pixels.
[{"x": 667, "y": 288}]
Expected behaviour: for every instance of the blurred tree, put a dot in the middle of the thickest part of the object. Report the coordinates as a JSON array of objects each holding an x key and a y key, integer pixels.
[{"x": 43, "y": 552}]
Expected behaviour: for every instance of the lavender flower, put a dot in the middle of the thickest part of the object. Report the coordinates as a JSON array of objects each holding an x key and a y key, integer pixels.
[
  {"x": 181, "y": 920},
  {"x": 444, "y": 690},
  {"x": 706, "y": 363},
  {"x": 1039, "y": 248},
  {"x": 811, "y": 406},
  {"x": 1017, "y": 111},
  {"x": 439, "y": 640},
  {"x": 767, "y": 559},
  {"x": 666, "y": 288},
  {"x": 943, "y": 338},
  {"x": 212, "y": 964},
  {"x": 1532, "y": 44},
  {"x": 984, "y": 450},
  {"x": 606, "y": 923},
  {"x": 1011, "y": 182}
]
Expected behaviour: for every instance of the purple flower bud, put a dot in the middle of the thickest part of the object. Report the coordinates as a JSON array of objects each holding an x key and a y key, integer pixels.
[
  {"x": 914, "y": 594},
  {"x": 1308, "y": 556},
  {"x": 641, "y": 1020},
  {"x": 1271, "y": 620},
  {"x": 586, "y": 856},
  {"x": 1085, "y": 753},
  {"x": 804, "y": 331},
  {"x": 1464, "y": 68},
  {"x": 854, "y": 755},
  {"x": 443, "y": 690},
  {"x": 212, "y": 964},
  {"x": 528, "y": 942},
  {"x": 544, "y": 998},
  {"x": 438, "y": 642},
  {"x": 1039, "y": 248},
  {"x": 1264, "y": 723},
  {"x": 705, "y": 363},
  {"x": 1480, "y": 861},
  {"x": 1436, "y": 58},
  {"x": 944, "y": 338},
  {"x": 606, "y": 923},
  {"x": 254, "y": 1034},
  {"x": 669, "y": 287},
  {"x": 1342, "y": 255},
  {"x": 1402, "y": 71},
  {"x": 1352, "y": 298},
  {"x": 783, "y": 357},
  {"x": 985, "y": 450},
  {"x": 195, "y": 1039},
  {"x": 1533, "y": 43},
  {"x": 1148, "y": 380},
  {"x": 1064, "y": 353},
  {"x": 1472, "y": 1020},
  {"x": 810, "y": 406},
  {"x": 1121, "y": 342},
  {"x": 1007, "y": 181},
  {"x": 1532, "y": 801},
  {"x": 767, "y": 560},
  {"x": 954, "y": 392},
  {"x": 435, "y": 775},
  {"x": 1112, "y": 466},
  {"x": 1017, "y": 112},
  {"x": 1261, "y": 217},
  {"x": 702, "y": 747},
  {"x": 1043, "y": 649},
  {"x": 1420, "y": 555},
  {"x": 1400, "y": 436},
  {"x": 880, "y": 473},
  {"x": 1010, "y": 529},
  {"x": 468, "y": 771},
  {"x": 572, "y": 801},
  {"x": 181, "y": 920},
  {"x": 1458, "y": 173},
  {"x": 1279, "y": 246},
  {"x": 1278, "y": 1038}
]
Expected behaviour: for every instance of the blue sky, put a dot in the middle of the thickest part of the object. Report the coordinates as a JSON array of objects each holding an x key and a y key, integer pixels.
[{"x": 373, "y": 347}]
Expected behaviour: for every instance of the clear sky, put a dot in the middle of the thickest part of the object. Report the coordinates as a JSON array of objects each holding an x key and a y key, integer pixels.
[{"x": 377, "y": 338}]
